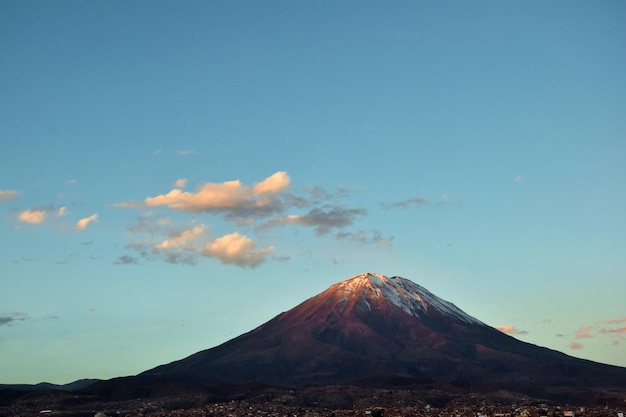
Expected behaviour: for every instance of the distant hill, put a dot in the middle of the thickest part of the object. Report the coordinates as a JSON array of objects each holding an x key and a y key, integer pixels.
[{"x": 44, "y": 386}]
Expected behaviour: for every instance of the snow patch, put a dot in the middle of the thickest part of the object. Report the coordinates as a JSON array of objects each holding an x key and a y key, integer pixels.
[{"x": 412, "y": 298}]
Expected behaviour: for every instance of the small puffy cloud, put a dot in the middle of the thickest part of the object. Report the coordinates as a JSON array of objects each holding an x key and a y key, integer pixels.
[
  {"x": 575, "y": 345},
  {"x": 323, "y": 220},
  {"x": 32, "y": 216},
  {"x": 7, "y": 194},
  {"x": 82, "y": 223},
  {"x": 508, "y": 329},
  {"x": 126, "y": 260},
  {"x": 9, "y": 319},
  {"x": 62, "y": 211},
  {"x": 583, "y": 332},
  {"x": 236, "y": 249},
  {"x": 180, "y": 183},
  {"x": 180, "y": 238},
  {"x": 272, "y": 184}
]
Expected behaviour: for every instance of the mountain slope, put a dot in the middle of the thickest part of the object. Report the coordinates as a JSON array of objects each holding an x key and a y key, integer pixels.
[{"x": 374, "y": 327}]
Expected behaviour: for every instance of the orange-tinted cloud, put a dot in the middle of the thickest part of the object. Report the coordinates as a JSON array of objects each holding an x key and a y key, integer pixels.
[
  {"x": 236, "y": 249},
  {"x": 181, "y": 238},
  {"x": 574, "y": 345},
  {"x": 7, "y": 194},
  {"x": 32, "y": 216},
  {"x": 508, "y": 329},
  {"x": 583, "y": 332},
  {"x": 618, "y": 330},
  {"x": 82, "y": 223},
  {"x": 228, "y": 195}
]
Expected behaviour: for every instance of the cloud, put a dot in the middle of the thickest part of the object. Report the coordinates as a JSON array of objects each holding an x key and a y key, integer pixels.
[
  {"x": 323, "y": 220},
  {"x": 229, "y": 196},
  {"x": 518, "y": 178},
  {"x": 417, "y": 202},
  {"x": 606, "y": 328},
  {"x": 583, "y": 332},
  {"x": 12, "y": 318},
  {"x": 82, "y": 223},
  {"x": 32, "y": 216},
  {"x": 410, "y": 203},
  {"x": 575, "y": 346},
  {"x": 151, "y": 223},
  {"x": 62, "y": 211},
  {"x": 180, "y": 183},
  {"x": 7, "y": 194},
  {"x": 508, "y": 329},
  {"x": 373, "y": 236},
  {"x": 236, "y": 249},
  {"x": 126, "y": 260},
  {"x": 619, "y": 330},
  {"x": 185, "y": 152},
  {"x": 180, "y": 238}
]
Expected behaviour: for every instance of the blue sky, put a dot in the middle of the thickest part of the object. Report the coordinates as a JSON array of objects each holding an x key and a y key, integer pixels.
[{"x": 175, "y": 174}]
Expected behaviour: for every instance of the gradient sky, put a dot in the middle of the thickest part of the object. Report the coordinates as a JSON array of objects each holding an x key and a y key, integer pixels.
[{"x": 174, "y": 174}]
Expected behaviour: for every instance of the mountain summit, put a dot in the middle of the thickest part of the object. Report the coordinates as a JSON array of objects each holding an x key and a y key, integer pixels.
[{"x": 374, "y": 328}]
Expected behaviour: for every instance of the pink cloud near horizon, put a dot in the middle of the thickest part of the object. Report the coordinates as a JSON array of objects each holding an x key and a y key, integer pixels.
[
  {"x": 508, "y": 329},
  {"x": 575, "y": 345}
]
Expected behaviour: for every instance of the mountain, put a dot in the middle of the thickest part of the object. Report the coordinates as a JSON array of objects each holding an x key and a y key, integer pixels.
[{"x": 371, "y": 329}]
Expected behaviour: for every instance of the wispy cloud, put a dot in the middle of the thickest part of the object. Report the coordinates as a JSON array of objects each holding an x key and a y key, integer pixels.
[
  {"x": 126, "y": 260},
  {"x": 82, "y": 223},
  {"x": 618, "y": 330},
  {"x": 616, "y": 321},
  {"x": 418, "y": 202},
  {"x": 322, "y": 219},
  {"x": 185, "y": 151},
  {"x": 180, "y": 238},
  {"x": 608, "y": 328},
  {"x": 32, "y": 216},
  {"x": 575, "y": 345},
  {"x": 410, "y": 203},
  {"x": 583, "y": 332},
  {"x": 8, "y": 194},
  {"x": 8, "y": 319}
]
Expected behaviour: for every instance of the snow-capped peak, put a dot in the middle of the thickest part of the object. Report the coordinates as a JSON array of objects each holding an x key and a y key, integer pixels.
[{"x": 412, "y": 298}]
